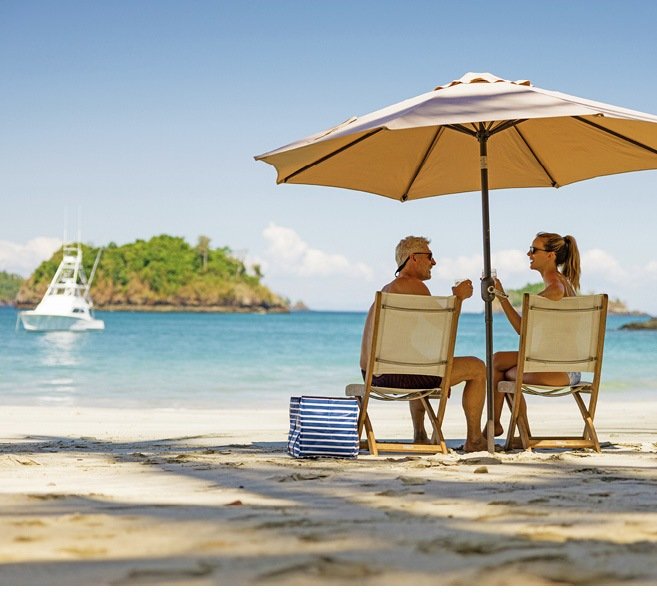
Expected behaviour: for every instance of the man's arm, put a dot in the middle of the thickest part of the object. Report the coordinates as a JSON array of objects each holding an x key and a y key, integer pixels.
[{"x": 463, "y": 290}]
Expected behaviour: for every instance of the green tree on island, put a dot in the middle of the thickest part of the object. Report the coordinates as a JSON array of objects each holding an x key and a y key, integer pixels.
[
  {"x": 203, "y": 248},
  {"x": 515, "y": 295},
  {"x": 10, "y": 284}
]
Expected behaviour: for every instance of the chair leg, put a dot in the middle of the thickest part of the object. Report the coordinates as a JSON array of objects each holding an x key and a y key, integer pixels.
[
  {"x": 518, "y": 421},
  {"x": 512, "y": 422},
  {"x": 442, "y": 406},
  {"x": 523, "y": 423},
  {"x": 523, "y": 420},
  {"x": 371, "y": 440},
  {"x": 364, "y": 421},
  {"x": 589, "y": 429},
  {"x": 437, "y": 435}
]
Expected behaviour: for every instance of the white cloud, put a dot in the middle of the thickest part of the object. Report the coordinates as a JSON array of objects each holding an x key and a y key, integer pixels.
[
  {"x": 24, "y": 258},
  {"x": 597, "y": 263},
  {"x": 635, "y": 284},
  {"x": 514, "y": 264},
  {"x": 508, "y": 263},
  {"x": 287, "y": 252},
  {"x": 294, "y": 268}
]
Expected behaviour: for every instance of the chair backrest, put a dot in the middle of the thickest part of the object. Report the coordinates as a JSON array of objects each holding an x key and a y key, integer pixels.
[
  {"x": 414, "y": 334},
  {"x": 562, "y": 336}
]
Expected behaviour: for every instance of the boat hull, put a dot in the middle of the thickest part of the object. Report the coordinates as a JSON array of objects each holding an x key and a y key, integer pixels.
[{"x": 33, "y": 321}]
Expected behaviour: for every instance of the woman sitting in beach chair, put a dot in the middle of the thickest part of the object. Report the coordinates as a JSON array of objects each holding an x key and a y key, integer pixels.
[{"x": 556, "y": 258}]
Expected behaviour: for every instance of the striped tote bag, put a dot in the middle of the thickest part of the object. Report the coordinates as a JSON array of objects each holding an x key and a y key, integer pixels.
[{"x": 323, "y": 427}]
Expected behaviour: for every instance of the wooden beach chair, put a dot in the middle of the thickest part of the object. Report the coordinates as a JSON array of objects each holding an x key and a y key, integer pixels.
[
  {"x": 558, "y": 336},
  {"x": 411, "y": 334}
]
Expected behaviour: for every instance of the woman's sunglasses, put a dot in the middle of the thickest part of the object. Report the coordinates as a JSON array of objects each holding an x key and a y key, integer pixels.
[{"x": 534, "y": 250}]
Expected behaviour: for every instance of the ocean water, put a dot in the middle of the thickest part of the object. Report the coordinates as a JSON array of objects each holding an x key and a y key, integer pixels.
[{"x": 209, "y": 360}]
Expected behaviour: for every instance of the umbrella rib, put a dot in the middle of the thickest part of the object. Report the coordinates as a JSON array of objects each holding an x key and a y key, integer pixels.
[
  {"x": 418, "y": 169},
  {"x": 332, "y": 154},
  {"x": 554, "y": 183},
  {"x": 461, "y": 128},
  {"x": 504, "y": 125},
  {"x": 636, "y": 143}
]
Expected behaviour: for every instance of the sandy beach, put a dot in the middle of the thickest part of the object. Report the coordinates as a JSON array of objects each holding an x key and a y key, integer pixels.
[{"x": 93, "y": 496}]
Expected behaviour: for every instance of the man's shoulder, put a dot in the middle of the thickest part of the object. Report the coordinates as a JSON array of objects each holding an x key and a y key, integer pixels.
[{"x": 406, "y": 285}]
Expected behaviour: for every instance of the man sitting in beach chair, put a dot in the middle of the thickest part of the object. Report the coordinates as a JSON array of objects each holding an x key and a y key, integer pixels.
[{"x": 414, "y": 263}]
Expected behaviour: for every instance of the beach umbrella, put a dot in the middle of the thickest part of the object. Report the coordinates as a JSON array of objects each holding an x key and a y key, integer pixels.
[{"x": 477, "y": 133}]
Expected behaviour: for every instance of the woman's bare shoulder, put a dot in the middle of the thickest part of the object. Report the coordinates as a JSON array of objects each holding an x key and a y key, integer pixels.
[{"x": 554, "y": 287}]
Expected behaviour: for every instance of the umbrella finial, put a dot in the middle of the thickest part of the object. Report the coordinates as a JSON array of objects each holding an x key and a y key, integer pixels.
[{"x": 481, "y": 77}]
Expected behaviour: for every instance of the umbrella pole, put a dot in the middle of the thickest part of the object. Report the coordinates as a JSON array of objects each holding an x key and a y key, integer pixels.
[{"x": 487, "y": 285}]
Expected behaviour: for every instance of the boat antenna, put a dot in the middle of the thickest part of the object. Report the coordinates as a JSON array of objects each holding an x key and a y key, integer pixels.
[
  {"x": 93, "y": 272},
  {"x": 79, "y": 226},
  {"x": 67, "y": 216}
]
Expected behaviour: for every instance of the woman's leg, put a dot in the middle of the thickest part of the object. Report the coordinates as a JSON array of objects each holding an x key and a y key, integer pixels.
[
  {"x": 503, "y": 363},
  {"x": 540, "y": 378}
]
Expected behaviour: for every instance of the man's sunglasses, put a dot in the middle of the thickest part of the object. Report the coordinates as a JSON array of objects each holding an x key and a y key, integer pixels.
[{"x": 403, "y": 264}]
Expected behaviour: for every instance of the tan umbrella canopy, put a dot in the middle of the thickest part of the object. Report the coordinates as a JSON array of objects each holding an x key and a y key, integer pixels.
[
  {"x": 427, "y": 146},
  {"x": 417, "y": 148}
]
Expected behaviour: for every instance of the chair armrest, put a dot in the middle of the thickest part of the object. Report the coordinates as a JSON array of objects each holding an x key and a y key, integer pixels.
[{"x": 354, "y": 390}]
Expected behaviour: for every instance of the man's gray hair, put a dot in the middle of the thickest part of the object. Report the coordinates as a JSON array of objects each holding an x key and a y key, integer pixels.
[{"x": 408, "y": 245}]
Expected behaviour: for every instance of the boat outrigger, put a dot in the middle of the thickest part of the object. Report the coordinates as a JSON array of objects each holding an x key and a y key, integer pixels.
[{"x": 66, "y": 305}]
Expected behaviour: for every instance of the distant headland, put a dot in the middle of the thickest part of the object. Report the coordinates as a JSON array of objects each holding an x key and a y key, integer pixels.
[
  {"x": 164, "y": 273},
  {"x": 616, "y": 306},
  {"x": 645, "y": 325}
]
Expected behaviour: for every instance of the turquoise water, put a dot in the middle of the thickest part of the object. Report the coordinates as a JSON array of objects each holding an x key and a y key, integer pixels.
[{"x": 203, "y": 360}]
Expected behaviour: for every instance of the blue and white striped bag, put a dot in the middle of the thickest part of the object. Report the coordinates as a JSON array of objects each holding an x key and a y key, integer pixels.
[{"x": 323, "y": 427}]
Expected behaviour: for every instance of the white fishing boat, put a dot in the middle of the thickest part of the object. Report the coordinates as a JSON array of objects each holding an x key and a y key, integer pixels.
[{"x": 66, "y": 305}]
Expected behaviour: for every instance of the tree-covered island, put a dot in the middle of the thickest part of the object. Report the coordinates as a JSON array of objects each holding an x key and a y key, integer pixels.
[{"x": 164, "y": 273}]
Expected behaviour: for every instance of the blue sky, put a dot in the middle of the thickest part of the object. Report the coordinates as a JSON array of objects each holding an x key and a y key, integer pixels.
[{"x": 144, "y": 116}]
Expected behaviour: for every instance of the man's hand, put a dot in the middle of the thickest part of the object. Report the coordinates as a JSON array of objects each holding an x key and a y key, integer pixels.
[{"x": 463, "y": 290}]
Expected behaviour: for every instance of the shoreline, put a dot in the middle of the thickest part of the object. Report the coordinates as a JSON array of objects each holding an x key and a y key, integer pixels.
[
  {"x": 272, "y": 310},
  {"x": 101, "y": 496},
  {"x": 167, "y": 308}
]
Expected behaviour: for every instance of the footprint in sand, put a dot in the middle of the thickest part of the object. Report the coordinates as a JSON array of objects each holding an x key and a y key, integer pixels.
[
  {"x": 168, "y": 576},
  {"x": 29, "y": 523},
  {"x": 393, "y": 493},
  {"x": 25, "y": 539},
  {"x": 413, "y": 481},
  {"x": 302, "y": 477},
  {"x": 331, "y": 570},
  {"x": 26, "y": 462}
]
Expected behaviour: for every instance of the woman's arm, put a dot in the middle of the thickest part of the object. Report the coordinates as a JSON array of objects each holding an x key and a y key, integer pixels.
[{"x": 513, "y": 317}]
